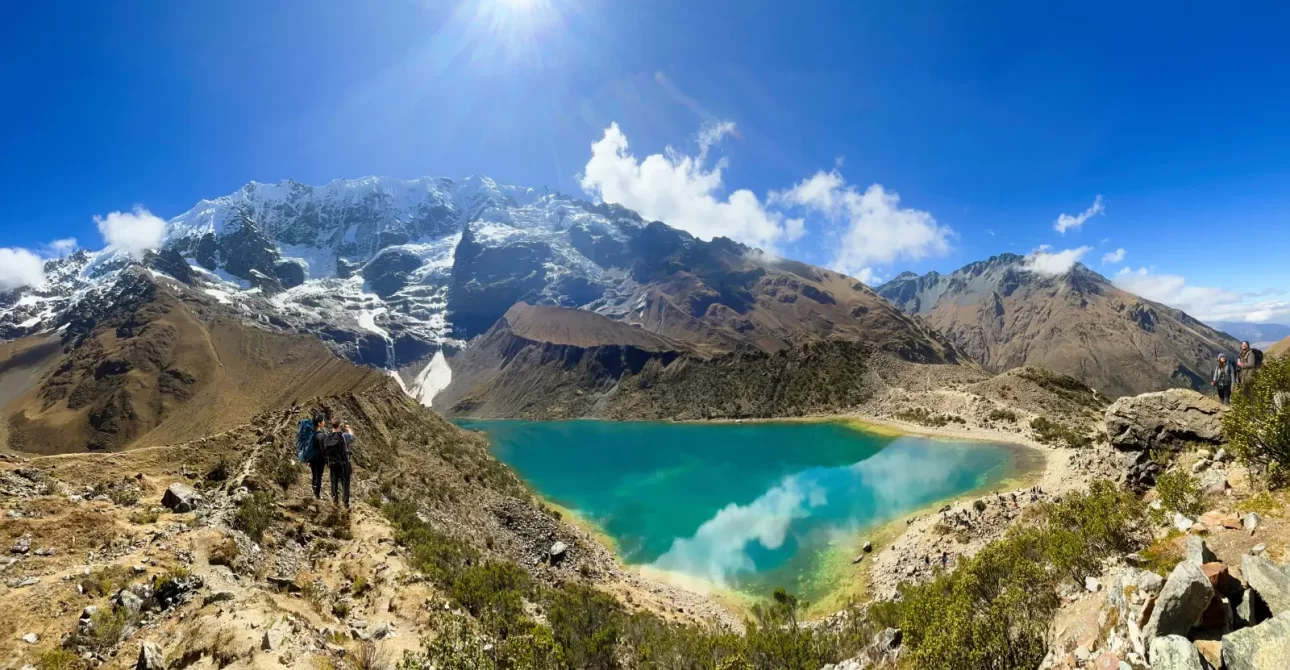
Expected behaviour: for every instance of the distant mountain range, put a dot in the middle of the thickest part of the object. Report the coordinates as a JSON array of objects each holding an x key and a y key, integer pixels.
[
  {"x": 1005, "y": 314},
  {"x": 1258, "y": 334}
]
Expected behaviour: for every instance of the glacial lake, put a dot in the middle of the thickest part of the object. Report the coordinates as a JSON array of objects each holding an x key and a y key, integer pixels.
[{"x": 746, "y": 507}]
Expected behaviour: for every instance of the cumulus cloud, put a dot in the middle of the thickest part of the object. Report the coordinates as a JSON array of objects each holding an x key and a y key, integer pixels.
[
  {"x": 1203, "y": 302},
  {"x": 1066, "y": 221},
  {"x": 1111, "y": 257},
  {"x": 20, "y": 267},
  {"x": 1045, "y": 261},
  {"x": 132, "y": 233},
  {"x": 872, "y": 226},
  {"x": 681, "y": 190}
]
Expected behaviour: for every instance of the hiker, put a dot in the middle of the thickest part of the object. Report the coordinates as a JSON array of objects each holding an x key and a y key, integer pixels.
[
  {"x": 1247, "y": 366},
  {"x": 336, "y": 447},
  {"x": 945, "y": 559},
  {"x": 1224, "y": 375},
  {"x": 318, "y": 460}
]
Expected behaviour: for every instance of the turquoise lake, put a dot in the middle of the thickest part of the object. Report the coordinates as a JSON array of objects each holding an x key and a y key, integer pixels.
[{"x": 745, "y": 506}]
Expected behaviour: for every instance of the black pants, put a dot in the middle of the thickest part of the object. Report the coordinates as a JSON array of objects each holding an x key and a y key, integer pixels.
[
  {"x": 316, "y": 467},
  {"x": 340, "y": 475},
  {"x": 1225, "y": 395}
]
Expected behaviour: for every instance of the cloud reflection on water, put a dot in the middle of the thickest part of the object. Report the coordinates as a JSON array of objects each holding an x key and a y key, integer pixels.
[{"x": 905, "y": 475}]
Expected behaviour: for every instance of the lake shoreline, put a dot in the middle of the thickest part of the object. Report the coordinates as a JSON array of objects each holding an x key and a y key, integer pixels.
[{"x": 1030, "y": 464}]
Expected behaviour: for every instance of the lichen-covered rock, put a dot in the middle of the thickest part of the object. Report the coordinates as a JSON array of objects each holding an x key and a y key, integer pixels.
[
  {"x": 1174, "y": 652},
  {"x": 1270, "y": 581},
  {"x": 1164, "y": 420},
  {"x": 1260, "y": 647},
  {"x": 181, "y": 498},
  {"x": 1181, "y": 603}
]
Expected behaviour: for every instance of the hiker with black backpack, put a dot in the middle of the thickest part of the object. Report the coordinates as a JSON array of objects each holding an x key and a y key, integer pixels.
[
  {"x": 1247, "y": 366},
  {"x": 336, "y": 446}
]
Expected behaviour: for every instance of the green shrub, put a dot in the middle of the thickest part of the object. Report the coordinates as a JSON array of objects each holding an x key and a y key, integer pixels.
[
  {"x": 995, "y": 610},
  {"x": 1258, "y": 424},
  {"x": 586, "y": 624},
  {"x": 1180, "y": 492},
  {"x": 494, "y": 593},
  {"x": 58, "y": 658},
  {"x": 923, "y": 416},
  {"x": 254, "y": 514},
  {"x": 105, "y": 581},
  {"x": 1002, "y": 415},
  {"x": 1059, "y": 434}
]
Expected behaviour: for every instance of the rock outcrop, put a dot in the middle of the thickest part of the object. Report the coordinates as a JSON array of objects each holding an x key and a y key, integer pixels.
[
  {"x": 1164, "y": 420},
  {"x": 1182, "y": 601},
  {"x": 1260, "y": 647},
  {"x": 1270, "y": 581}
]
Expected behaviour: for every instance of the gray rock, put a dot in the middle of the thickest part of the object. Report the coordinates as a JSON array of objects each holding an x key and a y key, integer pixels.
[
  {"x": 219, "y": 597},
  {"x": 1174, "y": 652},
  {"x": 1250, "y": 522},
  {"x": 1164, "y": 420},
  {"x": 88, "y": 613},
  {"x": 1183, "y": 599},
  {"x": 1199, "y": 466},
  {"x": 272, "y": 640},
  {"x": 130, "y": 602},
  {"x": 1197, "y": 552},
  {"x": 890, "y": 638},
  {"x": 1220, "y": 456},
  {"x": 868, "y": 547},
  {"x": 1132, "y": 581},
  {"x": 31, "y": 638},
  {"x": 22, "y": 546},
  {"x": 181, "y": 498},
  {"x": 150, "y": 657},
  {"x": 1260, "y": 647},
  {"x": 558, "y": 550},
  {"x": 1258, "y": 549},
  {"x": 383, "y": 631},
  {"x": 1092, "y": 585},
  {"x": 1270, "y": 581},
  {"x": 1247, "y": 613}
]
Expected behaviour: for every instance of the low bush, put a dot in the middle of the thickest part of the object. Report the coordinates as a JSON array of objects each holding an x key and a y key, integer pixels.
[
  {"x": 1180, "y": 492},
  {"x": 254, "y": 514},
  {"x": 58, "y": 658},
  {"x": 1059, "y": 434},
  {"x": 923, "y": 416},
  {"x": 106, "y": 581},
  {"x": 995, "y": 610},
  {"x": 1002, "y": 415}
]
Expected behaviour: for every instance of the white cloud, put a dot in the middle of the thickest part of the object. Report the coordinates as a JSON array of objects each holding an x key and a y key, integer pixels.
[
  {"x": 60, "y": 248},
  {"x": 132, "y": 233},
  {"x": 20, "y": 267},
  {"x": 1047, "y": 262},
  {"x": 874, "y": 228},
  {"x": 1203, "y": 302},
  {"x": 681, "y": 191},
  {"x": 1066, "y": 221},
  {"x": 1111, "y": 257}
]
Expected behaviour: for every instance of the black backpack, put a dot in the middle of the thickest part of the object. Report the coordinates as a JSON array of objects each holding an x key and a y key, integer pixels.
[
  {"x": 336, "y": 448},
  {"x": 1258, "y": 357}
]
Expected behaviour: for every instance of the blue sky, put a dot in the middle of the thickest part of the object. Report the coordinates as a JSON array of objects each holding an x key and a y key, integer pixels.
[{"x": 979, "y": 123}]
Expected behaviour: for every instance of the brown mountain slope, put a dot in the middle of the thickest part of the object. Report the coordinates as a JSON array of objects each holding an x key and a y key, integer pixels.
[
  {"x": 1279, "y": 349},
  {"x": 528, "y": 365},
  {"x": 1004, "y": 316},
  {"x": 722, "y": 296},
  {"x": 155, "y": 364}
]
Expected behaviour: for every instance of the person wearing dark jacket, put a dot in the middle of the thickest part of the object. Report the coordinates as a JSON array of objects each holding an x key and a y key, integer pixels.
[
  {"x": 337, "y": 446},
  {"x": 1224, "y": 375},
  {"x": 319, "y": 461},
  {"x": 1247, "y": 366}
]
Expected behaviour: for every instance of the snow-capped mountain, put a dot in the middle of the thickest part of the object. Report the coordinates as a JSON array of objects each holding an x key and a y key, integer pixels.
[
  {"x": 387, "y": 272},
  {"x": 395, "y": 274}
]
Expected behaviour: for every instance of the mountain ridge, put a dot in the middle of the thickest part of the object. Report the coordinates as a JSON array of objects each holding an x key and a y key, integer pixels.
[{"x": 1004, "y": 314}]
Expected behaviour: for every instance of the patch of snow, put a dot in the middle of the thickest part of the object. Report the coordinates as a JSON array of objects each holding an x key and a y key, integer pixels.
[
  {"x": 434, "y": 378},
  {"x": 224, "y": 297},
  {"x": 367, "y": 321},
  {"x": 320, "y": 263}
]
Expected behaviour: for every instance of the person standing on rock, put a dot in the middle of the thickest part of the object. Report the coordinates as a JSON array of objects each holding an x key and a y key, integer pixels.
[
  {"x": 337, "y": 446},
  {"x": 1247, "y": 365},
  {"x": 1224, "y": 375}
]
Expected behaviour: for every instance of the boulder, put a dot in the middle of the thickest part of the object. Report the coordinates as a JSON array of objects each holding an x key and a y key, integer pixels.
[
  {"x": 1174, "y": 652},
  {"x": 31, "y": 638},
  {"x": 1269, "y": 581},
  {"x": 1211, "y": 651},
  {"x": 1128, "y": 584},
  {"x": 272, "y": 640},
  {"x": 1250, "y": 522},
  {"x": 180, "y": 498},
  {"x": 150, "y": 657},
  {"x": 1181, "y": 603},
  {"x": 1260, "y": 647},
  {"x": 557, "y": 551},
  {"x": 1197, "y": 552},
  {"x": 130, "y": 602},
  {"x": 1164, "y": 420}
]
